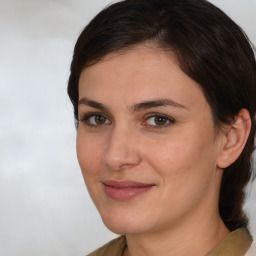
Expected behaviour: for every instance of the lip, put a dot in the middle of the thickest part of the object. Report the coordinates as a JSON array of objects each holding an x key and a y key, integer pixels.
[{"x": 125, "y": 190}]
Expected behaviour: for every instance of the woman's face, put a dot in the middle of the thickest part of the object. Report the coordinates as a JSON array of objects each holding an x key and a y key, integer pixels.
[{"x": 146, "y": 143}]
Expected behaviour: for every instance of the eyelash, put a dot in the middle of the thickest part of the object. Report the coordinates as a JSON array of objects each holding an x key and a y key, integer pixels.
[
  {"x": 169, "y": 120},
  {"x": 86, "y": 117}
]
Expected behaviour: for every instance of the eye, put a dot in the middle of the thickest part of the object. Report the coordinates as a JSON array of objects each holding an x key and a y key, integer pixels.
[
  {"x": 158, "y": 120},
  {"x": 95, "y": 120}
]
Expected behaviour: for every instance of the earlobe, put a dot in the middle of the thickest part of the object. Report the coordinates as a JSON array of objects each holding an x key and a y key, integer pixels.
[{"x": 235, "y": 139}]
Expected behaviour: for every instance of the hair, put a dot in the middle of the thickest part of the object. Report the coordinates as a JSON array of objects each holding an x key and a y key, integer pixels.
[{"x": 210, "y": 48}]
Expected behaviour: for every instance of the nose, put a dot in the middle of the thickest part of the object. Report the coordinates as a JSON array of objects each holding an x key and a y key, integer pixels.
[{"x": 122, "y": 149}]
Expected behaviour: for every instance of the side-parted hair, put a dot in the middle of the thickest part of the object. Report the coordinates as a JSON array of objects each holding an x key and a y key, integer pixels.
[{"x": 210, "y": 48}]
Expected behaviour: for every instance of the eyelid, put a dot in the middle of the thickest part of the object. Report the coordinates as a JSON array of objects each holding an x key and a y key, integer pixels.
[
  {"x": 87, "y": 116},
  {"x": 150, "y": 115}
]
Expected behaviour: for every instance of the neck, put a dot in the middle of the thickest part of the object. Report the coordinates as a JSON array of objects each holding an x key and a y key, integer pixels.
[{"x": 179, "y": 240}]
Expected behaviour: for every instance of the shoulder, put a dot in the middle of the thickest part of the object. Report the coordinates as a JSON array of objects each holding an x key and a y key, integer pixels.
[
  {"x": 113, "y": 248},
  {"x": 236, "y": 244}
]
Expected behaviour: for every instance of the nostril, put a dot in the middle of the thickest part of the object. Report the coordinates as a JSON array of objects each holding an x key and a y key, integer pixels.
[{"x": 126, "y": 166}]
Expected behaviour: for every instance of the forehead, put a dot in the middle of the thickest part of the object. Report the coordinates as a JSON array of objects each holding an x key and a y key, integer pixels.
[{"x": 137, "y": 74}]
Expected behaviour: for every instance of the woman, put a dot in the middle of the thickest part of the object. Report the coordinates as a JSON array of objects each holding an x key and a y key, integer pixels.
[{"x": 164, "y": 102}]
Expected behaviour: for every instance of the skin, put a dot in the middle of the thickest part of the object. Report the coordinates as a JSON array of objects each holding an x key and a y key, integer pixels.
[{"x": 181, "y": 155}]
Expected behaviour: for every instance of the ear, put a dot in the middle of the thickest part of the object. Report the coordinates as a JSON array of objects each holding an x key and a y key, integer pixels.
[{"x": 234, "y": 140}]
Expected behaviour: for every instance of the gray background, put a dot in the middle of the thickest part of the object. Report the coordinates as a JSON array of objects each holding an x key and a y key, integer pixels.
[{"x": 44, "y": 206}]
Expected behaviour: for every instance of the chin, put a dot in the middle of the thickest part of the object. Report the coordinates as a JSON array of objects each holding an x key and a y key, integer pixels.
[
  {"x": 123, "y": 229},
  {"x": 123, "y": 224}
]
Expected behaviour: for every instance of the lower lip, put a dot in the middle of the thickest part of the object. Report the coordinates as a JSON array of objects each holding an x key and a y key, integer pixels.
[{"x": 123, "y": 194}]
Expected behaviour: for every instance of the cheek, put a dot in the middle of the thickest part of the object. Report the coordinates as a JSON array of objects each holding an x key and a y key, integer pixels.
[
  {"x": 186, "y": 171},
  {"x": 184, "y": 157},
  {"x": 88, "y": 154}
]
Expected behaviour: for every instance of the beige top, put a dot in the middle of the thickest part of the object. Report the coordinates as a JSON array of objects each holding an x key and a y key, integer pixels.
[{"x": 235, "y": 243}]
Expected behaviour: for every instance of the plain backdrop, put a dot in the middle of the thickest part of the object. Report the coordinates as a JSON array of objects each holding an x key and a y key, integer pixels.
[{"x": 45, "y": 209}]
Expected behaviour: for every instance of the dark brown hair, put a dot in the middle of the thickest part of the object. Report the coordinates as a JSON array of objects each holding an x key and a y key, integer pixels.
[{"x": 210, "y": 48}]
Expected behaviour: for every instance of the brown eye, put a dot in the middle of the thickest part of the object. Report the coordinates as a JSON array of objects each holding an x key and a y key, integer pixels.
[
  {"x": 158, "y": 120},
  {"x": 96, "y": 120},
  {"x": 100, "y": 119}
]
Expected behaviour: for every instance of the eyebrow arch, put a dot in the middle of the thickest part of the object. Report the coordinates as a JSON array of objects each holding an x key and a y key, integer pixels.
[
  {"x": 137, "y": 107},
  {"x": 92, "y": 103},
  {"x": 157, "y": 103}
]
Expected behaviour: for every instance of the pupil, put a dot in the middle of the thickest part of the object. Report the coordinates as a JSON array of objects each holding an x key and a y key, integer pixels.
[
  {"x": 160, "y": 120},
  {"x": 100, "y": 119}
]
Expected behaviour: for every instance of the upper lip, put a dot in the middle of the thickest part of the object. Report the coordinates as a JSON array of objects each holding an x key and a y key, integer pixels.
[{"x": 125, "y": 184}]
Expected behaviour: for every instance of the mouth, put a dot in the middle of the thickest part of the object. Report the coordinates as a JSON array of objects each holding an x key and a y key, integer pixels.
[{"x": 125, "y": 190}]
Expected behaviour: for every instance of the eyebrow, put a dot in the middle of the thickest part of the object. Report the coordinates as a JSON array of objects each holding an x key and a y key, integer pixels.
[
  {"x": 93, "y": 104},
  {"x": 157, "y": 103},
  {"x": 137, "y": 107}
]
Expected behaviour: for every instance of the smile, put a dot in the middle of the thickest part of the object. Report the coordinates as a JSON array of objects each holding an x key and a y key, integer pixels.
[{"x": 125, "y": 190}]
